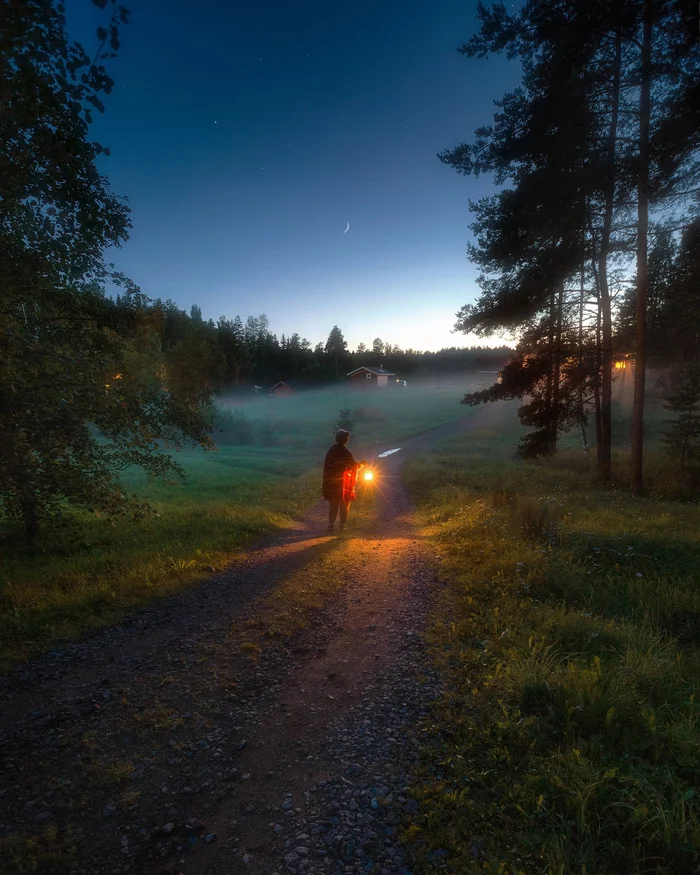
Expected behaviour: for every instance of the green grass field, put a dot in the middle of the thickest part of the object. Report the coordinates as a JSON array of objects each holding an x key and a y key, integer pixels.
[
  {"x": 86, "y": 573},
  {"x": 306, "y": 421},
  {"x": 568, "y": 636}
]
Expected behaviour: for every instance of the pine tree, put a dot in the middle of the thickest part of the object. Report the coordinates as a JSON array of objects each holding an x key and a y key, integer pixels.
[
  {"x": 231, "y": 344},
  {"x": 336, "y": 350},
  {"x": 543, "y": 360},
  {"x": 601, "y": 132},
  {"x": 683, "y": 436},
  {"x": 663, "y": 262},
  {"x": 555, "y": 141},
  {"x": 681, "y": 305},
  {"x": 345, "y": 419}
]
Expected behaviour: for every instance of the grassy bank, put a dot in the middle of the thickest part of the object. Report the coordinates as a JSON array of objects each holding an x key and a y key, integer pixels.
[
  {"x": 568, "y": 738},
  {"x": 86, "y": 573}
]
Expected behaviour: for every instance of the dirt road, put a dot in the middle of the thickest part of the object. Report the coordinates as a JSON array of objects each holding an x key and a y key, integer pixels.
[{"x": 232, "y": 727}]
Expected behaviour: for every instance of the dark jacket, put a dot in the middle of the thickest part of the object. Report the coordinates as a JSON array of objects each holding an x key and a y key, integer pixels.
[{"x": 339, "y": 474}]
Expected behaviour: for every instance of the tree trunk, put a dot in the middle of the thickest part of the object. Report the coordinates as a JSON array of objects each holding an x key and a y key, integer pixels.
[
  {"x": 642, "y": 255},
  {"x": 30, "y": 514},
  {"x": 596, "y": 394},
  {"x": 605, "y": 297},
  {"x": 597, "y": 428},
  {"x": 549, "y": 388},
  {"x": 556, "y": 388},
  {"x": 581, "y": 365}
]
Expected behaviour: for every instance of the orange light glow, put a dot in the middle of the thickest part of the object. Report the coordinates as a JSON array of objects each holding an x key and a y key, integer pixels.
[
  {"x": 369, "y": 475},
  {"x": 115, "y": 377},
  {"x": 620, "y": 366}
]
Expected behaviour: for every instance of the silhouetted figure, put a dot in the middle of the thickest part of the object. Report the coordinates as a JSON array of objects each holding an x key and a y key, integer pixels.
[{"x": 339, "y": 477}]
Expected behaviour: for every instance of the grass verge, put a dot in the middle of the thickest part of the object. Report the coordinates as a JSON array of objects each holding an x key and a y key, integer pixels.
[
  {"x": 568, "y": 738},
  {"x": 87, "y": 573}
]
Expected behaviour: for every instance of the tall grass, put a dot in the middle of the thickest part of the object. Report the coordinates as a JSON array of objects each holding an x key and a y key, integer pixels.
[{"x": 568, "y": 740}]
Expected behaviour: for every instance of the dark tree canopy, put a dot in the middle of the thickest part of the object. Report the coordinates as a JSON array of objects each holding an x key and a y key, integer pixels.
[
  {"x": 597, "y": 155},
  {"x": 86, "y": 386}
]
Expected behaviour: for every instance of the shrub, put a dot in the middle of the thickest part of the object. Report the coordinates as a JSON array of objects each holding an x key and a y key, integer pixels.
[{"x": 232, "y": 427}]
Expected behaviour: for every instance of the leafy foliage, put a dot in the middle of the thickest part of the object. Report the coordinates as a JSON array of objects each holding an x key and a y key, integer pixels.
[{"x": 86, "y": 388}]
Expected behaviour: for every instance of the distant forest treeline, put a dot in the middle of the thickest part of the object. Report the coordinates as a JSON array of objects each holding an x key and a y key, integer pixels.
[{"x": 238, "y": 355}]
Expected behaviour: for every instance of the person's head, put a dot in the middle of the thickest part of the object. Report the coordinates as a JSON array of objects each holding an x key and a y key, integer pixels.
[{"x": 342, "y": 437}]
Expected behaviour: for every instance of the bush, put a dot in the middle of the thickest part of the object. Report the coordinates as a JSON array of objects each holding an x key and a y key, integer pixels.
[{"x": 232, "y": 427}]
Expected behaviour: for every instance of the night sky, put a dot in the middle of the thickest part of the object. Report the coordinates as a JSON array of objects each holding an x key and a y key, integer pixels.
[{"x": 247, "y": 135}]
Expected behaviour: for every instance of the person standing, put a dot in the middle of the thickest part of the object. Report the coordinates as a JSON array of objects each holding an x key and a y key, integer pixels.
[{"x": 339, "y": 477}]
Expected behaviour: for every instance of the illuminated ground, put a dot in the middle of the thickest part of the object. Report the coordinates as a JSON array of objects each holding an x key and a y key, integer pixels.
[{"x": 211, "y": 706}]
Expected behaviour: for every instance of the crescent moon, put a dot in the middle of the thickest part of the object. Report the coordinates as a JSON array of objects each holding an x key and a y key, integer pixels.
[{"x": 347, "y": 229}]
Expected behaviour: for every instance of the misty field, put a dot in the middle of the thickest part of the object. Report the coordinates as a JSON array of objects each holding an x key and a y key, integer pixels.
[
  {"x": 88, "y": 571},
  {"x": 568, "y": 637},
  {"x": 305, "y": 421}
]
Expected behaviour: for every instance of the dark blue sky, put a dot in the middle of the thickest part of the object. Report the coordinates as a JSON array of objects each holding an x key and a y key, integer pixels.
[{"x": 246, "y": 136}]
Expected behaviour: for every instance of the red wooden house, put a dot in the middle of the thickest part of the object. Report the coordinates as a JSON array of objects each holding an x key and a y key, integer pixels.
[
  {"x": 280, "y": 390},
  {"x": 370, "y": 378}
]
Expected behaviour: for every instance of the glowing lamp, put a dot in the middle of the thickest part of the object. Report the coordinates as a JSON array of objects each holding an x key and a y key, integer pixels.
[{"x": 369, "y": 475}]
